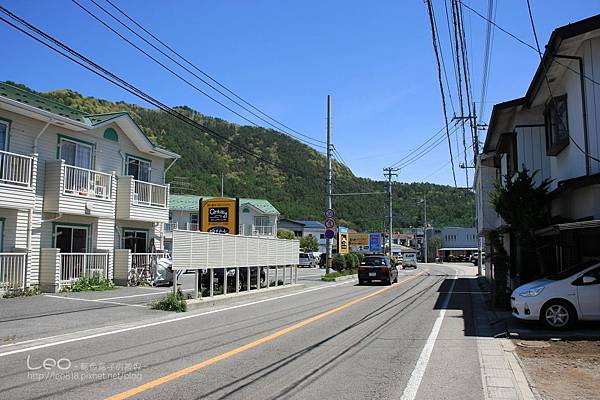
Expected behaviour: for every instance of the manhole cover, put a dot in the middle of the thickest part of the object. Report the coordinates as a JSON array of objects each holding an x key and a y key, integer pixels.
[{"x": 533, "y": 344}]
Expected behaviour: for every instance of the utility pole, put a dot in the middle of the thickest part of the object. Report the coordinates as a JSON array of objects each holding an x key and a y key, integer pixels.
[
  {"x": 424, "y": 201},
  {"x": 221, "y": 184},
  {"x": 389, "y": 172},
  {"x": 329, "y": 181}
]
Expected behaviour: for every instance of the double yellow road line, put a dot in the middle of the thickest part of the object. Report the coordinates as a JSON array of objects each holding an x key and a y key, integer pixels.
[{"x": 193, "y": 368}]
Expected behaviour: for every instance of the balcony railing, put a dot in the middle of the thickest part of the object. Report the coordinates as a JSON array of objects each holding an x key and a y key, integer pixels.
[
  {"x": 77, "y": 265},
  {"x": 171, "y": 226},
  {"x": 191, "y": 226},
  {"x": 86, "y": 183},
  {"x": 257, "y": 230},
  {"x": 150, "y": 194},
  {"x": 15, "y": 169},
  {"x": 12, "y": 270}
]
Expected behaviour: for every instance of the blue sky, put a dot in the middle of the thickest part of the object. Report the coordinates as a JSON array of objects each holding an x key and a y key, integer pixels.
[{"x": 374, "y": 58}]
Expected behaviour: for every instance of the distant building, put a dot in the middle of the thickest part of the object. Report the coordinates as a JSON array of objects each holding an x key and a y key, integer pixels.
[
  {"x": 303, "y": 228},
  {"x": 453, "y": 242}
]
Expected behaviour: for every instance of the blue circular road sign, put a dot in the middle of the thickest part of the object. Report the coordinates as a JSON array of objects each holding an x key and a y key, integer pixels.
[{"x": 329, "y": 234}]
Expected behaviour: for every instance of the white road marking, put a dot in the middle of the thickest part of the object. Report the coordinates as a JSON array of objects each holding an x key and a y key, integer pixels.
[
  {"x": 94, "y": 300},
  {"x": 68, "y": 338},
  {"x": 142, "y": 295},
  {"x": 410, "y": 392}
]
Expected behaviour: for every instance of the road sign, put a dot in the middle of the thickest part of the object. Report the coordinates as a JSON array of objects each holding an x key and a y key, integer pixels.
[
  {"x": 329, "y": 234},
  {"x": 329, "y": 223},
  {"x": 329, "y": 213},
  {"x": 375, "y": 242}
]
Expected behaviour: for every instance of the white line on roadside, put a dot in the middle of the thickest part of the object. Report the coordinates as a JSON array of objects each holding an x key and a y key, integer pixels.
[
  {"x": 71, "y": 339},
  {"x": 142, "y": 295},
  {"x": 410, "y": 392},
  {"x": 93, "y": 300}
]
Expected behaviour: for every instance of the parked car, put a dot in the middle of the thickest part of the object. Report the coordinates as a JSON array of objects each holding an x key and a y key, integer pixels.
[
  {"x": 409, "y": 260},
  {"x": 314, "y": 263},
  {"x": 559, "y": 300},
  {"x": 377, "y": 268},
  {"x": 305, "y": 260}
]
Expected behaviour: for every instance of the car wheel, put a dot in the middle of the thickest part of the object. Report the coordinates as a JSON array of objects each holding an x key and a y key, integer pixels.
[
  {"x": 558, "y": 314},
  {"x": 361, "y": 282}
]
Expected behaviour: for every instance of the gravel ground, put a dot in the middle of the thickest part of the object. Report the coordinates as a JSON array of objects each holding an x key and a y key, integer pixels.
[{"x": 562, "y": 370}]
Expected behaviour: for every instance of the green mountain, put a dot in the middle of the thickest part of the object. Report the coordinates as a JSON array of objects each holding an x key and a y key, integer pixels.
[{"x": 297, "y": 189}]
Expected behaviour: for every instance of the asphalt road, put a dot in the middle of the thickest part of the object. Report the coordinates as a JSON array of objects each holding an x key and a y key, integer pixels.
[{"x": 325, "y": 341}]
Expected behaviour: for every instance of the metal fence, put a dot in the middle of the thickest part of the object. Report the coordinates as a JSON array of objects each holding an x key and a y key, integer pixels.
[
  {"x": 15, "y": 169},
  {"x": 150, "y": 194},
  {"x": 77, "y": 265},
  {"x": 12, "y": 271},
  {"x": 86, "y": 183}
]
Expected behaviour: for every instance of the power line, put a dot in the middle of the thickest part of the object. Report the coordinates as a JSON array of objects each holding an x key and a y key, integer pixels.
[
  {"x": 182, "y": 66},
  {"x": 206, "y": 74},
  {"x": 416, "y": 157},
  {"x": 441, "y": 85},
  {"x": 410, "y": 152},
  {"x": 114, "y": 79},
  {"x": 487, "y": 54}
]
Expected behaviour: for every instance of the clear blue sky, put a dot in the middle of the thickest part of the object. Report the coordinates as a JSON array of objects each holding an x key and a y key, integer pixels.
[{"x": 374, "y": 58}]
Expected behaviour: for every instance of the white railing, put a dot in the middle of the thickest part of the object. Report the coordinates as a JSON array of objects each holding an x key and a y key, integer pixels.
[
  {"x": 150, "y": 194},
  {"x": 77, "y": 265},
  {"x": 86, "y": 183},
  {"x": 12, "y": 270},
  {"x": 171, "y": 226},
  {"x": 258, "y": 230},
  {"x": 15, "y": 169},
  {"x": 191, "y": 226}
]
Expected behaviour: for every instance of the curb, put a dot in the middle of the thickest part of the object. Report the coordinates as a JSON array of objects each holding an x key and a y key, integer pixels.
[{"x": 343, "y": 278}]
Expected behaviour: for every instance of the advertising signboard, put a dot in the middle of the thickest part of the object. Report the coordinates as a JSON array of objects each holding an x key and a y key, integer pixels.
[
  {"x": 219, "y": 215},
  {"x": 343, "y": 240},
  {"x": 359, "y": 239},
  {"x": 375, "y": 242}
]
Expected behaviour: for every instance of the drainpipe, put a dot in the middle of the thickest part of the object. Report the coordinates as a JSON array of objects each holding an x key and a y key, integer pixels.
[
  {"x": 124, "y": 161},
  {"x": 584, "y": 108},
  {"x": 35, "y": 140},
  {"x": 167, "y": 169}
]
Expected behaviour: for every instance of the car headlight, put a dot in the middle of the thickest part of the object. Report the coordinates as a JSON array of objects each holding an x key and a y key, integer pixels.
[{"x": 534, "y": 291}]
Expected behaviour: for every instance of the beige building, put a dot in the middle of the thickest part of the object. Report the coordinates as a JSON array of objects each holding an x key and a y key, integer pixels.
[{"x": 73, "y": 188}]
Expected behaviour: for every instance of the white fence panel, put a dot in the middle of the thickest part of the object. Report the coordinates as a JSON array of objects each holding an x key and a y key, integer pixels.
[{"x": 193, "y": 250}]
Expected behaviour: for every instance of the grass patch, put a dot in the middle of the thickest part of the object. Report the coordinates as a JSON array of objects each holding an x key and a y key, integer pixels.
[
  {"x": 171, "y": 302},
  {"x": 85, "y": 284},
  {"x": 330, "y": 277},
  {"x": 27, "y": 292}
]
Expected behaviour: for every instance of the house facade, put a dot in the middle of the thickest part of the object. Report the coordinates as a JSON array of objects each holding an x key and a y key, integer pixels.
[
  {"x": 257, "y": 217},
  {"x": 303, "y": 228},
  {"x": 554, "y": 131},
  {"x": 74, "y": 187}
]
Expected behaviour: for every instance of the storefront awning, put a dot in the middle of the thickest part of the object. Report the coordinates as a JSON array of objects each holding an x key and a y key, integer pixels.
[{"x": 556, "y": 229}]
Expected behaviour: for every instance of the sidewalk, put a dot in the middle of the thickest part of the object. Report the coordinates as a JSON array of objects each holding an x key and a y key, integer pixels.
[{"x": 501, "y": 371}]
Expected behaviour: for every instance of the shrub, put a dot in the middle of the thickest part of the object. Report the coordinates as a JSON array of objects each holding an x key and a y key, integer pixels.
[
  {"x": 18, "y": 292},
  {"x": 171, "y": 302},
  {"x": 286, "y": 235},
  {"x": 94, "y": 283},
  {"x": 351, "y": 261},
  {"x": 360, "y": 257},
  {"x": 338, "y": 262},
  {"x": 330, "y": 277}
]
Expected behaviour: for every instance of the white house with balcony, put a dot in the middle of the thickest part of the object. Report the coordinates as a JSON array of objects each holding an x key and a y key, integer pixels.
[
  {"x": 73, "y": 188},
  {"x": 554, "y": 130},
  {"x": 257, "y": 217}
]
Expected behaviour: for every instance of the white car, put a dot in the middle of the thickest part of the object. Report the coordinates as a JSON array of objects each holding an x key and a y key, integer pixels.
[{"x": 560, "y": 300}]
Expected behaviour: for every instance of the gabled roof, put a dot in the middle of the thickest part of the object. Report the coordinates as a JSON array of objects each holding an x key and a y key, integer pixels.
[
  {"x": 45, "y": 109},
  {"x": 189, "y": 202},
  {"x": 311, "y": 224}
]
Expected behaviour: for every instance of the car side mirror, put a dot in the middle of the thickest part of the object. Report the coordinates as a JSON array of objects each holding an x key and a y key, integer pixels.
[{"x": 587, "y": 280}]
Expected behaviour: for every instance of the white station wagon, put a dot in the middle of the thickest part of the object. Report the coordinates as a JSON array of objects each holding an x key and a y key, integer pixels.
[{"x": 560, "y": 300}]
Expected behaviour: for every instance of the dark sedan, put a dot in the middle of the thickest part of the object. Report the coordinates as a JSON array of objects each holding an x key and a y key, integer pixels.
[{"x": 377, "y": 268}]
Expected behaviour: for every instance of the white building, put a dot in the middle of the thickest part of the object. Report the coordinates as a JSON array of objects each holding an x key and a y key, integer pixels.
[
  {"x": 303, "y": 228},
  {"x": 257, "y": 217},
  {"x": 73, "y": 188},
  {"x": 553, "y": 130}
]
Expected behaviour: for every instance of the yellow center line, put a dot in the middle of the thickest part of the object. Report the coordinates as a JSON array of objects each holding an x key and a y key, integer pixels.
[{"x": 185, "y": 371}]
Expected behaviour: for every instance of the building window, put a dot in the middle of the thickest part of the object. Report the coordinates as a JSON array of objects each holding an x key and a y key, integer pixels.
[
  {"x": 75, "y": 153},
  {"x": 135, "y": 240},
  {"x": 71, "y": 239},
  {"x": 262, "y": 221},
  {"x": 111, "y": 134},
  {"x": 322, "y": 236},
  {"x": 4, "y": 127},
  {"x": 193, "y": 218},
  {"x": 557, "y": 125},
  {"x": 138, "y": 168}
]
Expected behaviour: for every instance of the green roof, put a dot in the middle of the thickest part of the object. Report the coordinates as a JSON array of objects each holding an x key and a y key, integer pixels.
[{"x": 189, "y": 202}]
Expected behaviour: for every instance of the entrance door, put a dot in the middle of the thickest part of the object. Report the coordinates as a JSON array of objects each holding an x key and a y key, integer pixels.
[
  {"x": 136, "y": 241},
  {"x": 70, "y": 239}
]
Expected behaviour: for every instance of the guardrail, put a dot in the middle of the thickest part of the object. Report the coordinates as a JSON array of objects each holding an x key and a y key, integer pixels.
[
  {"x": 86, "y": 182},
  {"x": 77, "y": 265},
  {"x": 12, "y": 271},
  {"x": 15, "y": 169},
  {"x": 150, "y": 194}
]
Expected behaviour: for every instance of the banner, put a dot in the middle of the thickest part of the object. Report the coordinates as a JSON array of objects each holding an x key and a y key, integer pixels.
[
  {"x": 343, "y": 240},
  {"x": 219, "y": 215}
]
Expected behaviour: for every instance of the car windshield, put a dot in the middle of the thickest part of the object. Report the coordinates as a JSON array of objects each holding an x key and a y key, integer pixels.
[
  {"x": 573, "y": 270},
  {"x": 373, "y": 261}
]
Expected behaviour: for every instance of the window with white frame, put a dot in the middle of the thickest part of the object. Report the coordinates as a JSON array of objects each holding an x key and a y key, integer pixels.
[
  {"x": 4, "y": 126},
  {"x": 138, "y": 168},
  {"x": 262, "y": 220}
]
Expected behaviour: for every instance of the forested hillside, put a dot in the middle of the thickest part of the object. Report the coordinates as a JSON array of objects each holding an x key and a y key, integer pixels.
[{"x": 297, "y": 189}]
